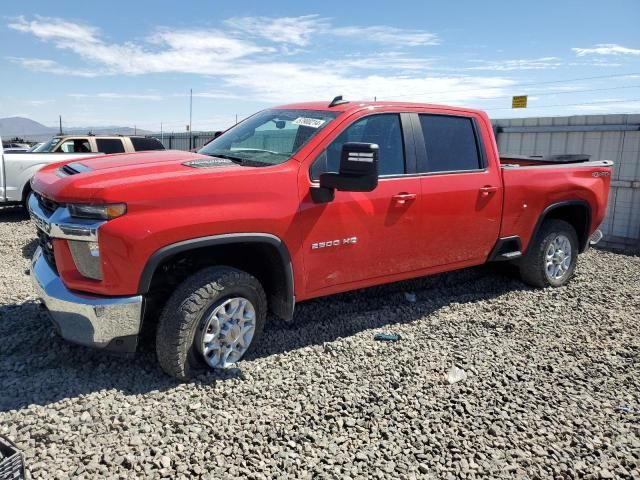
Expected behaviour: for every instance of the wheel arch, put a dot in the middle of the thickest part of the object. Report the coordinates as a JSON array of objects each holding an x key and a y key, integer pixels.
[
  {"x": 274, "y": 268},
  {"x": 575, "y": 212}
]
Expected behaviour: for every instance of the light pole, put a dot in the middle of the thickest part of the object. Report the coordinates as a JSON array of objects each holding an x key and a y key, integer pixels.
[{"x": 190, "y": 118}]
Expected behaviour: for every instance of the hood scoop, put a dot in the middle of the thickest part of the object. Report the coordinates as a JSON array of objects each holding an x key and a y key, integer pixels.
[
  {"x": 73, "y": 168},
  {"x": 208, "y": 162}
]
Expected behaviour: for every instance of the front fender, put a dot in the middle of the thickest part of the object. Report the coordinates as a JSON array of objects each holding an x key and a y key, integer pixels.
[{"x": 18, "y": 177}]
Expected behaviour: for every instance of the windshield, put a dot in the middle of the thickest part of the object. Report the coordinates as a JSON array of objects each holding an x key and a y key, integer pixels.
[
  {"x": 48, "y": 146},
  {"x": 36, "y": 148},
  {"x": 269, "y": 137}
]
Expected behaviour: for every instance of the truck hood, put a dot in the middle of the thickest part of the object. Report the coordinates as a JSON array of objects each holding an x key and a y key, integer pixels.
[
  {"x": 141, "y": 160},
  {"x": 123, "y": 175}
]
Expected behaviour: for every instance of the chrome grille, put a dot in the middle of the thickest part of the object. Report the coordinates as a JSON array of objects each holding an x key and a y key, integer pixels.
[{"x": 46, "y": 244}]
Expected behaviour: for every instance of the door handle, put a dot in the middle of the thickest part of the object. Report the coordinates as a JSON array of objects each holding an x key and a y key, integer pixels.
[
  {"x": 402, "y": 198},
  {"x": 486, "y": 190}
]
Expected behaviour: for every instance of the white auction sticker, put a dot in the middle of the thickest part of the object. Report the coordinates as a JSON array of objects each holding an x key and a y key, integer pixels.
[{"x": 308, "y": 122}]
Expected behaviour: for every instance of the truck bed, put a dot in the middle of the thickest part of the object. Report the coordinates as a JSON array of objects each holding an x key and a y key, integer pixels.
[
  {"x": 533, "y": 183},
  {"x": 531, "y": 160}
]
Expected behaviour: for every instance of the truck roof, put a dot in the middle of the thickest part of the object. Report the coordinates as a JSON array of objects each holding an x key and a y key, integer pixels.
[
  {"x": 87, "y": 135},
  {"x": 354, "y": 105}
]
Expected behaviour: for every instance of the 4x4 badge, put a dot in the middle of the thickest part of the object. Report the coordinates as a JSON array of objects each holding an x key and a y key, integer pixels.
[{"x": 334, "y": 243}]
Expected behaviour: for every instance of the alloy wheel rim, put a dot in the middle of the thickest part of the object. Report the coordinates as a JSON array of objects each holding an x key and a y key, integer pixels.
[
  {"x": 558, "y": 257},
  {"x": 227, "y": 332}
]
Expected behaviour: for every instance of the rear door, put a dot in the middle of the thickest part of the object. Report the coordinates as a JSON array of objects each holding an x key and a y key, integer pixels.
[
  {"x": 461, "y": 190},
  {"x": 363, "y": 235}
]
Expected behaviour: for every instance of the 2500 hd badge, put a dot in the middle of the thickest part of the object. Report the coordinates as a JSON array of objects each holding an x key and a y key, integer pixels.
[{"x": 334, "y": 243}]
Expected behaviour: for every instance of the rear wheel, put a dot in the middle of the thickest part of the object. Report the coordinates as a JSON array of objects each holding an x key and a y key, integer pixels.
[
  {"x": 551, "y": 258},
  {"x": 212, "y": 320}
]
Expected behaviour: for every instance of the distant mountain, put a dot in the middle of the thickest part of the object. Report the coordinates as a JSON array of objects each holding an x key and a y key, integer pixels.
[
  {"x": 23, "y": 127},
  {"x": 31, "y": 130},
  {"x": 108, "y": 130}
]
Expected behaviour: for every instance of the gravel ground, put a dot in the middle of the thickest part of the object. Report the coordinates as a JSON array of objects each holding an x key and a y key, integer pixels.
[{"x": 552, "y": 385}]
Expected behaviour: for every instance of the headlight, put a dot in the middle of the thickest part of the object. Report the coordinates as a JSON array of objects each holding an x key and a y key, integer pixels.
[{"x": 99, "y": 212}]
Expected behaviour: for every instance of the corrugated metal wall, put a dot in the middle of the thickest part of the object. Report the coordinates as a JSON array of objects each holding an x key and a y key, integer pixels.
[{"x": 604, "y": 137}]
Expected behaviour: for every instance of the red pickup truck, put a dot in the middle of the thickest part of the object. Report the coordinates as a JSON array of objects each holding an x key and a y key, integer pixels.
[{"x": 293, "y": 203}]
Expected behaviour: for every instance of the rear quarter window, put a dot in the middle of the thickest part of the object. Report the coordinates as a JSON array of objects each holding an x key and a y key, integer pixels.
[{"x": 141, "y": 144}]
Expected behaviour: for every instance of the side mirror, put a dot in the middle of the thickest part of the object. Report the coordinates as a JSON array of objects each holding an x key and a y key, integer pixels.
[{"x": 358, "y": 172}]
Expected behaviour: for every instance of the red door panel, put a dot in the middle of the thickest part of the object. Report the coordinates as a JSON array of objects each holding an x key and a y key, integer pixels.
[
  {"x": 461, "y": 216},
  {"x": 361, "y": 235}
]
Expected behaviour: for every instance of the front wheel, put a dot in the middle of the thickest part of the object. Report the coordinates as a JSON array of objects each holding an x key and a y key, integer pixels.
[
  {"x": 212, "y": 320},
  {"x": 551, "y": 258}
]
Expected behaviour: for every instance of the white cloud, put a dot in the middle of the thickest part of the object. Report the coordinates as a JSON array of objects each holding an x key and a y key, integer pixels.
[
  {"x": 299, "y": 30},
  {"x": 386, "y": 35},
  {"x": 287, "y": 82},
  {"x": 117, "y": 96},
  {"x": 606, "y": 49},
  {"x": 49, "y": 66},
  {"x": 248, "y": 70},
  {"x": 186, "y": 51},
  {"x": 397, "y": 61},
  {"x": 38, "y": 103},
  {"x": 55, "y": 28},
  {"x": 543, "y": 63},
  {"x": 609, "y": 105},
  {"x": 293, "y": 30}
]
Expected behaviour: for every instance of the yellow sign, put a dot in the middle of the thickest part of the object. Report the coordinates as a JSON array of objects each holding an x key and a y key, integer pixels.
[{"x": 519, "y": 101}]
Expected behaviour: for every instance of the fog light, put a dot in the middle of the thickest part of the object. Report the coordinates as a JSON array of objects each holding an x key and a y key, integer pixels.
[{"x": 86, "y": 256}]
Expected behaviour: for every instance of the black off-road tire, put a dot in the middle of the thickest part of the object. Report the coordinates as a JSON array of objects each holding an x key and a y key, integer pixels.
[
  {"x": 185, "y": 312},
  {"x": 532, "y": 264}
]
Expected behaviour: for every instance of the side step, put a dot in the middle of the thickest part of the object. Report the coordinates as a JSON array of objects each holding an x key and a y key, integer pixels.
[
  {"x": 505, "y": 249},
  {"x": 596, "y": 237},
  {"x": 510, "y": 255}
]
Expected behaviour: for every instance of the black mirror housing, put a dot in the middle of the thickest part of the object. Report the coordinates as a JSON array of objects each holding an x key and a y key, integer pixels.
[{"x": 358, "y": 169}]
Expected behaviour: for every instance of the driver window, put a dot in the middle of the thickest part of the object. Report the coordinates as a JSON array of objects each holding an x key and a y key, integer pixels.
[
  {"x": 383, "y": 129},
  {"x": 75, "y": 146}
]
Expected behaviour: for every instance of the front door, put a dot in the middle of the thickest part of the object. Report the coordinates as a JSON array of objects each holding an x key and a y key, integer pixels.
[{"x": 363, "y": 235}]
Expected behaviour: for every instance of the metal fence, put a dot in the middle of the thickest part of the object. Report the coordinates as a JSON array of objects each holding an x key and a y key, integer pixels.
[
  {"x": 180, "y": 140},
  {"x": 604, "y": 137}
]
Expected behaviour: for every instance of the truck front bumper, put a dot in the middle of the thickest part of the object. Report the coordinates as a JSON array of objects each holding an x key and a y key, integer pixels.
[{"x": 110, "y": 323}]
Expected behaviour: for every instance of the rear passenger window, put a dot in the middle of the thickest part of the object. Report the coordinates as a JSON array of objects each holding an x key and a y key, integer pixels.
[
  {"x": 451, "y": 144},
  {"x": 141, "y": 144},
  {"x": 110, "y": 145},
  {"x": 384, "y": 129}
]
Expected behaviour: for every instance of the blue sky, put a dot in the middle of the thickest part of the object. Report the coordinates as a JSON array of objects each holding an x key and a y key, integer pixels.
[{"x": 132, "y": 63}]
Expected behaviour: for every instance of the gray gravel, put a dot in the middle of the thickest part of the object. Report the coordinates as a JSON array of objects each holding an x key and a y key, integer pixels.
[{"x": 552, "y": 385}]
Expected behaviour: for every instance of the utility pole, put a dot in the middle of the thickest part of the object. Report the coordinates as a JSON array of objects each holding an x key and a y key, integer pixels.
[
  {"x": 161, "y": 133},
  {"x": 190, "y": 118},
  {"x": 236, "y": 118},
  {"x": 135, "y": 130},
  {"x": 60, "y": 116}
]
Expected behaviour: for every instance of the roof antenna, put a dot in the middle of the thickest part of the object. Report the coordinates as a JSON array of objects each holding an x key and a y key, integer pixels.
[{"x": 337, "y": 101}]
